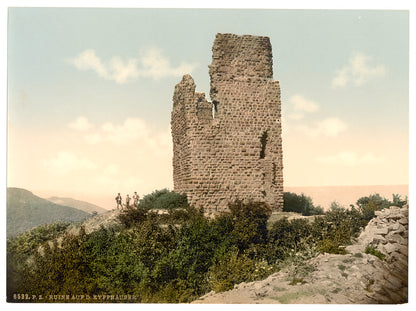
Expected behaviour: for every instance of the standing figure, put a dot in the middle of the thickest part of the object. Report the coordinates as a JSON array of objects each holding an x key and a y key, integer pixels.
[
  {"x": 135, "y": 199},
  {"x": 119, "y": 201},
  {"x": 127, "y": 201}
]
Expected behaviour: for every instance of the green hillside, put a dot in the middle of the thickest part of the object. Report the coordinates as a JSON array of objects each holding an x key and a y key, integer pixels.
[
  {"x": 81, "y": 205},
  {"x": 26, "y": 211}
]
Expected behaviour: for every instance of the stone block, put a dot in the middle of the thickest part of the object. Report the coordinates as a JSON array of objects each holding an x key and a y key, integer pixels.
[
  {"x": 389, "y": 248},
  {"x": 381, "y": 231},
  {"x": 403, "y": 250},
  {"x": 394, "y": 237},
  {"x": 404, "y": 220},
  {"x": 379, "y": 239}
]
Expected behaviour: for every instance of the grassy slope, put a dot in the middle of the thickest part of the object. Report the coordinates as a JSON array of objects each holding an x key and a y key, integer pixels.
[{"x": 26, "y": 210}]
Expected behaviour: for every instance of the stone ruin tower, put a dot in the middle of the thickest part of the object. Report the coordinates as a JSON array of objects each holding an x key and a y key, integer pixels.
[{"x": 231, "y": 148}]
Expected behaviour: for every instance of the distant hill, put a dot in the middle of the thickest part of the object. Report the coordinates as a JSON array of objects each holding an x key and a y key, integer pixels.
[
  {"x": 81, "y": 205},
  {"x": 26, "y": 211}
]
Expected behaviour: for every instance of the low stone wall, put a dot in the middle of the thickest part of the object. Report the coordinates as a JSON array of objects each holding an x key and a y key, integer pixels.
[{"x": 388, "y": 233}]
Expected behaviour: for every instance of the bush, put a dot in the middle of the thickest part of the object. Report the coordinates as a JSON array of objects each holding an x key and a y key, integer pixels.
[
  {"x": 163, "y": 199},
  {"x": 301, "y": 204},
  {"x": 368, "y": 205},
  {"x": 133, "y": 216},
  {"x": 231, "y": 269},
  {"x": 337, "y": 228},
  {"x": 249, "y": 223},
  {"x": 372, "y": 250},
  {"x": 289, "y": 237}
]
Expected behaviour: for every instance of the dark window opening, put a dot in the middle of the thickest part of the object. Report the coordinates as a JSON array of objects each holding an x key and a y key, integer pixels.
[
  {"x": 215, "y": 103},
  {"x": 263, "y": 141}
]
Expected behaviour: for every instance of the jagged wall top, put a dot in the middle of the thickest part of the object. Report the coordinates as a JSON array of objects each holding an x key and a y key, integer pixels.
[{"x": 241, "y": 56}]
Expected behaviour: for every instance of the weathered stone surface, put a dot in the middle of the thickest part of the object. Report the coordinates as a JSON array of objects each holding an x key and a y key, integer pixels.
[
  {"x": 404, "y": 221},
  {"x": 379, "y": 239},
  {"x": 396, "y": 238},
  {"x": 230, "y": 149},
  {"x": 381, "y": 231}
]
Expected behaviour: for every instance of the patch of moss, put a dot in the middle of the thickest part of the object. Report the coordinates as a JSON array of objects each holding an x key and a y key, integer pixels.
[{"x": 372, "y": 250}]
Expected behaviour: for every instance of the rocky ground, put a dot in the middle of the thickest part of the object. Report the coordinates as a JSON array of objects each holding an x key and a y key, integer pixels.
[
  {"x": 94, "y": 223},
  {"x": 356, "y": 277}
]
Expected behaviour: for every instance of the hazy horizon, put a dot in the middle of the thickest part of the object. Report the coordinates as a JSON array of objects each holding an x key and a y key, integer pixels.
[{"x": 321, "y": 195}]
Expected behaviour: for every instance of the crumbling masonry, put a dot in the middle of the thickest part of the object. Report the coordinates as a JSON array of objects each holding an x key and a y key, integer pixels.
[{"x": 230, "y": 149}]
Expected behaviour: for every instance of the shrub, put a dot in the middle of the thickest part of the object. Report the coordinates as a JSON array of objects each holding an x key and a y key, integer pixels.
[
  {"x": 163, "y": 199},
  {"x": 289, "y": 237},
  {"x": 397, "y": 200},
  {"x": 249, "y": 223},
  {"x": 368, "y": 205},
  {"x": 302, "y": 204},
  {"x": 337, "y": 228},
  {"x": 231, "y": 269},
  {"x": 330, "y": 246},
  {"x": 372, "y": 250},
  {"x": 133, "y": 216}
]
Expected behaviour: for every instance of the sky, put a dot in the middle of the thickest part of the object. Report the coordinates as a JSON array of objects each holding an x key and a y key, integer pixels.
[{"x": 90, "y": 94}]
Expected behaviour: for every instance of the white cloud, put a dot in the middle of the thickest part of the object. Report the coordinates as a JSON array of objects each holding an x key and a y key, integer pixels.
[
  {"x": 116, "y": 70},
  {"x": 156, "y": 65},
  {"x": 301, "y": 104},
  {"x": 133, "y": 132},
  {"x": 350, "y": 159},
  {"x": 65, "y": 162},
  {"x": 153, "y": 64},
  {"x": 80, "y": 124},
  {"x": 329, "y": 127},
  {"x": 359, "y": 70}
]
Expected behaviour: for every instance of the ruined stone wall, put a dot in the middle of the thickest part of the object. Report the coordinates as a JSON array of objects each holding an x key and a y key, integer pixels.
[
  {"x": 389, "y": 234},
  {"x": 235, "y": 152}
]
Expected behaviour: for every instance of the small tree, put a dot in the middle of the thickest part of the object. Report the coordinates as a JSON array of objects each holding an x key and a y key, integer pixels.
[
  {"x": 250, "y": 221},
  {"x": 368, "y": 205},
  {"x": 301, "y": 204}
]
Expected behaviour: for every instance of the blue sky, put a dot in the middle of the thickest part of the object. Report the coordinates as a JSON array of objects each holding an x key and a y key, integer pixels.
[{"x": 90, "y": 93}]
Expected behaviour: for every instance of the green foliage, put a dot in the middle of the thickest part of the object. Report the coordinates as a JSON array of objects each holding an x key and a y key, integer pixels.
[
  {"x": 289, "y": 237},
  {"x": 338, "y": 227},
  {"x": 249, "y": 221},
  {"x": 163, "y": 199},
  {"x": 133, "y": 216},
  {"x": 398, "y": 201},
  {"x": 302, "y": 204},
  {"x": 21, "y": 249},
  {"x": 368, "y": 205},
  {"x": 231, "y": 269},
  {"x": 372, "y": 250}
]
